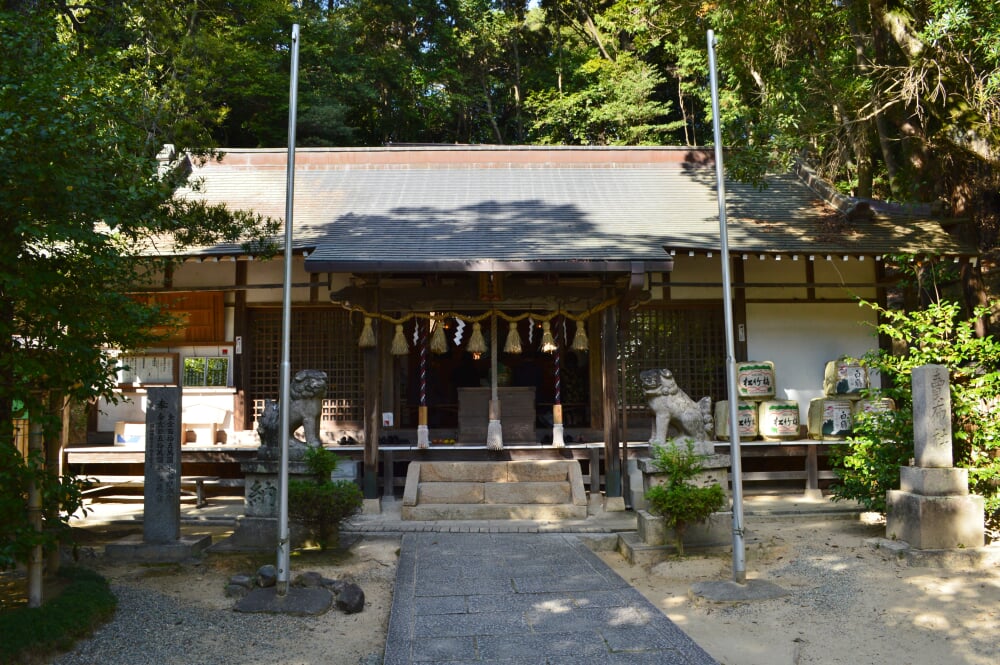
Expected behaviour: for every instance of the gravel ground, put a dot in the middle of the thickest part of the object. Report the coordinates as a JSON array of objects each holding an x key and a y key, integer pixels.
[{"x": 152, "y": 628}]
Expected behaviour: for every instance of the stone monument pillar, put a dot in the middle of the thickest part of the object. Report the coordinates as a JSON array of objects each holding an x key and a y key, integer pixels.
[
  {"x": 162, "y": 505},
  {"x": 161, "y": 516},
  {"x": 933, "y": 508}
]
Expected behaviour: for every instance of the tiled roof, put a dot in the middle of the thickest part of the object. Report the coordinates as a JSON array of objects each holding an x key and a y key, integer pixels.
[{"x": 450, "y": 208}]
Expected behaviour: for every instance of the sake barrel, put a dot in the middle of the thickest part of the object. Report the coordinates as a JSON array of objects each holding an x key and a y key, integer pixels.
[
  {"x": 874, "y": 405},
  {"x": 778, "y": 420},
  {"x": 755, "y": 380},
  {"x": 830, "y": 419},
  {"x": 747, "y": 426},
  {"x": 843, "y": 378}
]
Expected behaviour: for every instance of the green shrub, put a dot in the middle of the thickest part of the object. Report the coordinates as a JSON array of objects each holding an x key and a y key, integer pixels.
[
  {"x": 321, "y": 505},
  {"x": 83, "y": 605},
  {"x": 868, "y": 464},
  {"x": 680, "y": 502}
]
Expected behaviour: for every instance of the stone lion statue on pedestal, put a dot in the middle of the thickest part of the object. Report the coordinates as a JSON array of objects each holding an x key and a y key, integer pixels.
[
  {"x": 308, "y": 387},
  {"x": 672, "y": 406}
]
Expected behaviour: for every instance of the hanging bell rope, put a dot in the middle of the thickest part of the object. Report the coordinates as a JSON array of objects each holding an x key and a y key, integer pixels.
[
  {"x": 439, "y": 344},
  {"x": 367, "y": 340},
  {"x": 513, "y": 343},
  {"x": 477, "y": 343},
  {"x": 399, "y": 345}
]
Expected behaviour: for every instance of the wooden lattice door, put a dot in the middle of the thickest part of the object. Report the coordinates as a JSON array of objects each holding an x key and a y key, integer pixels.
[{"x": 324, "y": 339}]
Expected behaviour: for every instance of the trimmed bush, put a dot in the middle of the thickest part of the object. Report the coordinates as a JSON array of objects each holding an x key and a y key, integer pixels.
[{"x": 321, "y": 505}]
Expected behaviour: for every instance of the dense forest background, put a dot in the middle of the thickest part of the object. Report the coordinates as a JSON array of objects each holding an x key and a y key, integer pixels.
[{"x": 896, "y": 100}]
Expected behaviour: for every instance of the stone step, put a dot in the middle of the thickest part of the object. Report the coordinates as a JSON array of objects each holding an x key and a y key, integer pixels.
[
  {"x": 527, "y": 490},
  {"x": 495, "y": 492},
  {"x": 496, "y": 472},
  {"x": 493, "y": 511}
]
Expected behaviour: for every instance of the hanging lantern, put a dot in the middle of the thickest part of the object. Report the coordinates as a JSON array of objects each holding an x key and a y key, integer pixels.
[
  {"x": 438, "y": 342},
  {"x": 580, "y": 341},
  {"x": 367, "y": 339},
  {"x": 477, "y": 343},
  {"x": 548, "y": 343},
  {"x": 399, "y": 345},
  {"x": 513, "y": 344}
]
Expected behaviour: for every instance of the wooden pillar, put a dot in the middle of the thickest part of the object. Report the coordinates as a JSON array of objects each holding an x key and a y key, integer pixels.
[
  {"x": 609, "y": 365},
  {"x": 740, "y": 309},
  {"x": 242, "y": 417},
  {"x": 373, "y": 418},
  {"x": 882, "y": 298}
]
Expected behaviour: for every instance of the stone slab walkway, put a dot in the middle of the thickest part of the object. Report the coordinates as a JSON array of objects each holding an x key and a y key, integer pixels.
[{"x": 522, "y": 599}]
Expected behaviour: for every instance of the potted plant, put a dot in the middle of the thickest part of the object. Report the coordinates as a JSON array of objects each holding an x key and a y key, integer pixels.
[{"x": 678, "y": 500}]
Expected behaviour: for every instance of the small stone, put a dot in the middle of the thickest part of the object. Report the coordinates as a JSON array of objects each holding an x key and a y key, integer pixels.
[
  {"x": 351, "y": 599},
  {"x": 267, "y": 576},
  {"x": 236, "y": 591},
  {"x": 308, "y": 579},
  {"x": 242, "y": 580}
]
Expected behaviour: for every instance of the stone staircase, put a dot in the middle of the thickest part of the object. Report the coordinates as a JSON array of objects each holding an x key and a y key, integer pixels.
[{"x": 514, "y": 490}]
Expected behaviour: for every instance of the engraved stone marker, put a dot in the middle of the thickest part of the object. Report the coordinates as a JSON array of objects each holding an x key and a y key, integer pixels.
[
  {"x": 162, "y": 512},
  {"x": 931, "y": 417}
]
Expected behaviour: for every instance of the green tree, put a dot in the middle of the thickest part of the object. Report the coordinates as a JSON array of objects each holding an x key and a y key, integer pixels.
[{"x": 83, "y": 198}]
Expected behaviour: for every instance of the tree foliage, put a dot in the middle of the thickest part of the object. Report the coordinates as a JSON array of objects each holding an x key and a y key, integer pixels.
[{"x": 82, "y": 196}]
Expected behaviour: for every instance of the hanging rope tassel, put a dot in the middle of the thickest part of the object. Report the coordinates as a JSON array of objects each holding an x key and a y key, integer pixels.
[
  {"x": 548, "y": 343},
  {"x": 367, "y": 339},
  {"x": 513, "y": 343},
  {"x": 439, "y": 344},
  {"x": 580, "y": 341},
  {"x": 399, "y": 346},
  {"x": 477, "y": 343}
]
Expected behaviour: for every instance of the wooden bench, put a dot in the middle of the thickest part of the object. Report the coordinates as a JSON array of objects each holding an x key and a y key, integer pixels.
[
  {"x": 102, "y": 482},
  {"x": 808, "y": 449}
]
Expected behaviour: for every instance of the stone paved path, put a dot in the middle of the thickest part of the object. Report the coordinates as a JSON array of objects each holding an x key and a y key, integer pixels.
[{"x": 522, "y": 599}]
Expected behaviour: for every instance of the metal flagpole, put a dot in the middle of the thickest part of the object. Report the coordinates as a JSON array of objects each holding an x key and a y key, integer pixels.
[
  {"x": 286, "y": 325},
  {"x": 739, "y": 555}
]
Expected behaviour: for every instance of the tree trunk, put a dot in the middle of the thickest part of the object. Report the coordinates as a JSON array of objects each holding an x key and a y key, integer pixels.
[{"x": 36, "y": 446}]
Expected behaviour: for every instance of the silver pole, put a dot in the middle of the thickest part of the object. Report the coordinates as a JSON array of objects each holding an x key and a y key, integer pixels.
[
  {"x": 739, "y": 555},
  {"x": 286, "y": 327}
]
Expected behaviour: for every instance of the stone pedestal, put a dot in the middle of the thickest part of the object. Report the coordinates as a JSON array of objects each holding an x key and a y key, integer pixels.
[
  {"x": 653, "y": 542},
  {"x": 257, "y": 528},
  {"x": 715, "y": 469},
  {"x": 934, "y": 510}
]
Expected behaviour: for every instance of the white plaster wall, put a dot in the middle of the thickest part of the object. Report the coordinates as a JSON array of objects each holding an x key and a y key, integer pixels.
[
  {"x": 801, "y": 339},
  {"x": 697, "y": 268}
]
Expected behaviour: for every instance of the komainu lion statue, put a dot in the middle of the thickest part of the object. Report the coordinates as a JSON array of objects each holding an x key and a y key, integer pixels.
[
  {"x": 672, "y": 406},
  {"x": 307, "y": 390}
]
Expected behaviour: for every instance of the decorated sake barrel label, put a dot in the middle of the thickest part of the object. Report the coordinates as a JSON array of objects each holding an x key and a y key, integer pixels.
[
  {"x": 755, "y": 379},
  {"x": 843, "y": 378},
  {"x": 879, "y": 405},
  {"x": 747, "y": 425},
  {"x": 779, "y": 420},
  {"x": 830, "y": 418}
]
